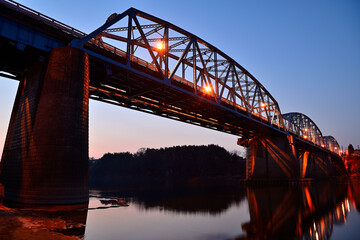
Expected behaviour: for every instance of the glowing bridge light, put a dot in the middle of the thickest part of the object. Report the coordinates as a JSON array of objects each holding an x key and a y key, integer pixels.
[
  {"x": 207, "y": 89},
  {"x": 306, "y": 129},
  {"x": 263, "y": 105},
  {"x": 160, "y": 45}
]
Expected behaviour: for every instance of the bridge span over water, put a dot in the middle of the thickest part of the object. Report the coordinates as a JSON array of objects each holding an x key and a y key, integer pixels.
[{"x": 138, "y": 61}]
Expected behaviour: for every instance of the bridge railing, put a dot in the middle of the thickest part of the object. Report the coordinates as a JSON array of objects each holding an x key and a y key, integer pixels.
[{"x": 46, "y": 19}]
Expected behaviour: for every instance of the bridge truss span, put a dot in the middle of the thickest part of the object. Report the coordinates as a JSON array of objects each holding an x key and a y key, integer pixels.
[
  {"x": 176, "y": 59},
  {"x": 306, "y": 129},
  {"x": 332, "y": 144}
]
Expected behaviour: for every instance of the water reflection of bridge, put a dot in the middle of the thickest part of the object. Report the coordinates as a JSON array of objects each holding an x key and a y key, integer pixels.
[{"x": 298, "y": 212}]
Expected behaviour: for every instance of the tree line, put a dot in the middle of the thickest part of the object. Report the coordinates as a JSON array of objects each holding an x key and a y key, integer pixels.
[{"x": 170, "y": 164}]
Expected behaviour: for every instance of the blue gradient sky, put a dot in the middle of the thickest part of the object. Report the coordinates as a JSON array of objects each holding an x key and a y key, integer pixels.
[{"x": 306, "y": 53}]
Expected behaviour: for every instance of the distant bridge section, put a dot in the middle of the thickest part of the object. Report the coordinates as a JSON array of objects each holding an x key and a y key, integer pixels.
[
  {"x": 180, "y": 69},
  {"x": 302, "y": 126}
]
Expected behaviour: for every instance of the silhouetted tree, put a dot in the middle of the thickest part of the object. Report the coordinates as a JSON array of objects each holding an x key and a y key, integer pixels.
[{"x": 350, "y": 149}]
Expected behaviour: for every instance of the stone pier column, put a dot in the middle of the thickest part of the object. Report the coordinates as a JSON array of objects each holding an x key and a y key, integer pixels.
[
  {"x": 45, "y": 157},
  {"x": 318, "y": 165},
  {"x": 271, "y": 158}
]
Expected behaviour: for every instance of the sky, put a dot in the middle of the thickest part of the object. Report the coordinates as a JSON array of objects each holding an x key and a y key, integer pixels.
[{"x": 305, "y": 53}]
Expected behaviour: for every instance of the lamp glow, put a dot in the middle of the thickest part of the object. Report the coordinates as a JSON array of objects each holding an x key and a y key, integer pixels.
[
  {"x": 160, "y": 45},
  {"x": 207, "y": 89}
]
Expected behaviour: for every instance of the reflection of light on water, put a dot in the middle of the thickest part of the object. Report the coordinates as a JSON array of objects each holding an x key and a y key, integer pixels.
[
  {"x": 347, "y": 205},
  {"x": 343, "y": 212},
  {"x": 322, "y": 228}
]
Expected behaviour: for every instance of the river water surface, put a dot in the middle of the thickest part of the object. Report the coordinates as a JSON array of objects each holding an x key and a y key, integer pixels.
[{"x": 328, "y": 210}]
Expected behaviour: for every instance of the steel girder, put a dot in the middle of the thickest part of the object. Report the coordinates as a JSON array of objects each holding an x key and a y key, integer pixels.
[{"x": 182, "y": 59}]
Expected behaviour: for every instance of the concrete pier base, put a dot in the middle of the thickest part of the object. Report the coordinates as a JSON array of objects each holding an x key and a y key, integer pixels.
[
  {"x": 271, "y": 159},
  {"x": 45, "y": 157},
  {"x": 316, "y": 165}
]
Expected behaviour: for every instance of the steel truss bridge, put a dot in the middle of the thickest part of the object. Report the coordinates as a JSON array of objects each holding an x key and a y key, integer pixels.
[{"x": 144, "y": 63}]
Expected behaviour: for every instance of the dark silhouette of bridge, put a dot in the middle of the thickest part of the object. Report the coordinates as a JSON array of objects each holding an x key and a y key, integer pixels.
[{"x": 141, "y": 62}]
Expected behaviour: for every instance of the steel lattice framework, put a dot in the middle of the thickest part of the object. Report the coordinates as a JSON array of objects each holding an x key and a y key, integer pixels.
[
  {"x": 302, "y": 126},
  {"x": 331, "y": 144},
  {"x": 181, "y": 58}
]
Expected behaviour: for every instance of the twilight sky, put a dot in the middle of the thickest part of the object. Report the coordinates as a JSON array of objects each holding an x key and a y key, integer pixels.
[{"x": 306, "y": 54}]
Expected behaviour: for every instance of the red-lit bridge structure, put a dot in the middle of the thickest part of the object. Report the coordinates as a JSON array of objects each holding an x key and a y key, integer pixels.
[{"x": 141, "y": 62}]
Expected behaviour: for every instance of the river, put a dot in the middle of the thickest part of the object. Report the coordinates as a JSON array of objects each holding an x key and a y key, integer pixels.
[{"x": 324, "y": 210}]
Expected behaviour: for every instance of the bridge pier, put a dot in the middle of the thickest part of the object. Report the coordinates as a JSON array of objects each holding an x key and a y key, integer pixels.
[
  {"x": 281, "y": 158},
  {"x": 316, "y": 165},
  {"x": 272, "y": 158},
  {"x": 45, "y": 157}
]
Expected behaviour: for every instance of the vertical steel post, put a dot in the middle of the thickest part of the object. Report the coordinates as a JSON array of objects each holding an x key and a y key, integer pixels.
[
  {"x": 128, "y": 46},
  {"x": 194, "y": 66}
]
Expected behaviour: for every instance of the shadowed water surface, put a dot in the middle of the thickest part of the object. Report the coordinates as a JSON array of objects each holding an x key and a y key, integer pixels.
[{"x": 327, "y": 210}]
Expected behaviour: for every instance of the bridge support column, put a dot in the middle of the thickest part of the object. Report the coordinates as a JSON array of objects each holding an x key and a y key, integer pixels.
[
  {"x": 45, "y": 157},
  {"x": 271, "y": 158},
  {"x": 316, "y": 165}
]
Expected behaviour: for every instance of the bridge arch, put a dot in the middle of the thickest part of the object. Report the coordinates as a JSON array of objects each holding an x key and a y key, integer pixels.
[
  {"x": 303, "y": 127},
  {"x": 331, "y": 144},
  {"x": 179, "y": 58}
]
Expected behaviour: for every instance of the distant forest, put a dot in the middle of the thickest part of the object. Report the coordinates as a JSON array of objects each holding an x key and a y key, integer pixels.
[{"x": 173, "y": 165}]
